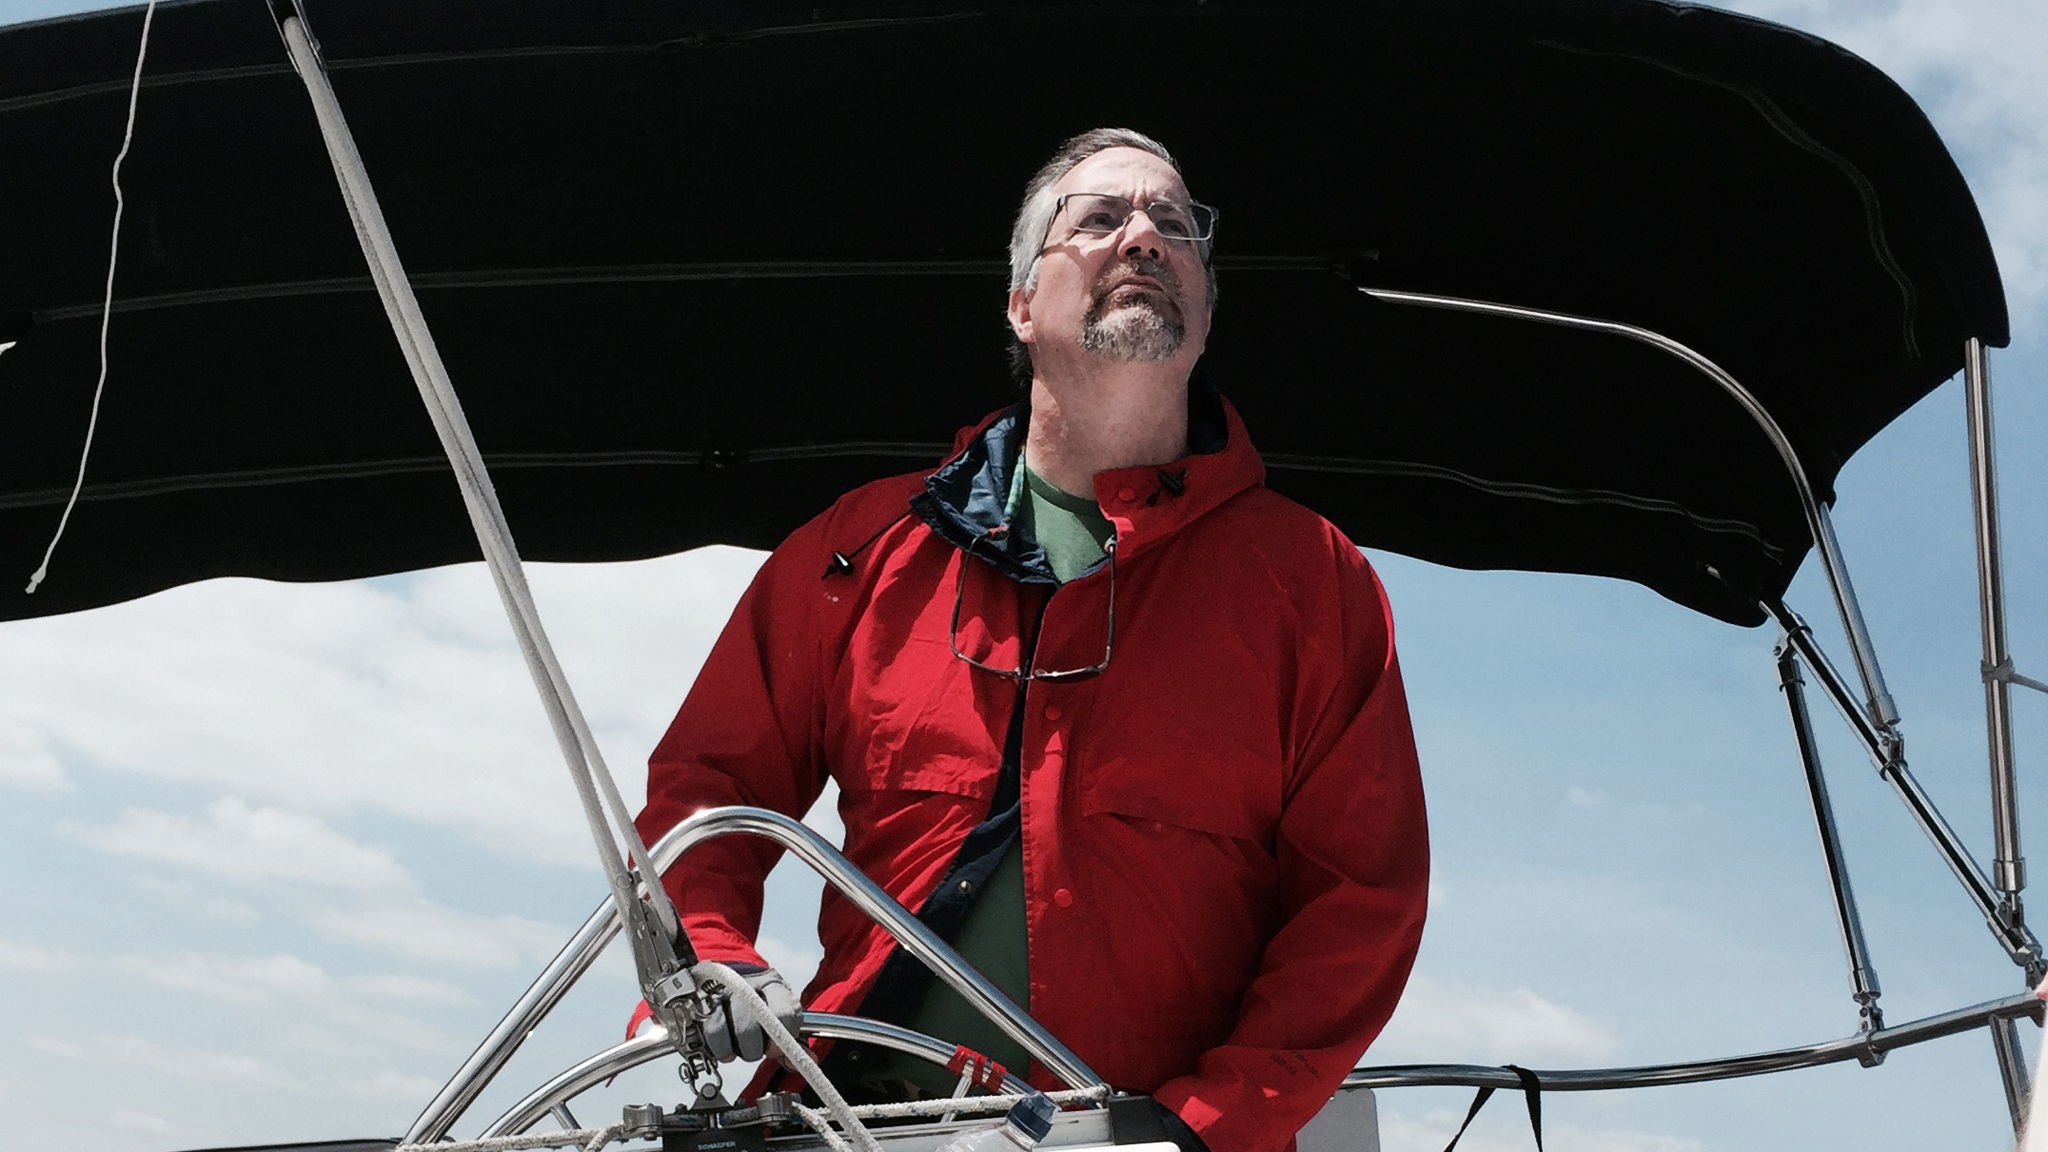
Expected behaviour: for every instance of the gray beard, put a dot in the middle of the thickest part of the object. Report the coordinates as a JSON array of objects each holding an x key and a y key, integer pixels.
[{"x": 1135, "y": 332}]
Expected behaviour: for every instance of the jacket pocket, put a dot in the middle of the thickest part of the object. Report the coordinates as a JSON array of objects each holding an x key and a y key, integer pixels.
[{"x": 1233, "y": 797}]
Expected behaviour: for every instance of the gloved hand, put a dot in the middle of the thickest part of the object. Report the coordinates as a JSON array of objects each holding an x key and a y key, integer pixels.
[{"x": 734, "y": 1034}]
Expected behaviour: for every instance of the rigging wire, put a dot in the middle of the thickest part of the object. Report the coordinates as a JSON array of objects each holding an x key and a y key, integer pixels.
[{"x": 107, "y": 306}]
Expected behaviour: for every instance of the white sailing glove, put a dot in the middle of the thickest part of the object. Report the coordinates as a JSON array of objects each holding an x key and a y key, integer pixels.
[{"x": 733, "y": 1033}]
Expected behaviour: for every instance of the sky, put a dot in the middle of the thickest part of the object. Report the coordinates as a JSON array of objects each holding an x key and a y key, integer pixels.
[{"x": 277, "y": 856}]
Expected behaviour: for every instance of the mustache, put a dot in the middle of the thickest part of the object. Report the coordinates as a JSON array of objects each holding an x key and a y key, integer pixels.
[{"x": 1129, "y": 266}]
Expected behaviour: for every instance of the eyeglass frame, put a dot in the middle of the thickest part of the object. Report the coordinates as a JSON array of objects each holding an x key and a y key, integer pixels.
[
  {"x": 1019, "y": 673},
  {"x": 1060, "y": 205}
]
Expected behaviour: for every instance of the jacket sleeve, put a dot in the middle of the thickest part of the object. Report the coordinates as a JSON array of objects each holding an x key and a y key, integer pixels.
[
  {"x": 747, "y": 733},
  {"x": 1353, "y": 857}
]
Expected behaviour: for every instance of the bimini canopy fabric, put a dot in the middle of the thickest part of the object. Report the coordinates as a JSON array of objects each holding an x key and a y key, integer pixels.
[{"x": 696, "y": 268}]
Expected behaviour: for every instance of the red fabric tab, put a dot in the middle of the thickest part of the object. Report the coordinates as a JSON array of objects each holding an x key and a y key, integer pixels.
[{"x": 641, "y": 1015}]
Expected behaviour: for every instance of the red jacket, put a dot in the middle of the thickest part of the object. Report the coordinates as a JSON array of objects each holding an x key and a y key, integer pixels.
[{"x": 1224, "y": 847}]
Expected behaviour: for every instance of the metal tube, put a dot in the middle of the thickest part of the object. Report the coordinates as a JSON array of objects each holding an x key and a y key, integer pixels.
[
  {"x": 833, "y": 1026},
  {"x": 653, "y": 1045},
  {"x": 2012, "y": 1070},
  {"x": 1882, "y": 711},
  {"x": 1697, "y": 1071},
  {"x": 1837, "y": 689},
  {"x": 581, "y": 1076},
  {"x": 1888, "y": 753},
  {"x": 576, "y": 957},
  {"x": 908, "y": 930},
  {"x": 1862, "y": 976},
  {"x": 2008, "y": 867},
  {"x": 533, "y": 1005}
]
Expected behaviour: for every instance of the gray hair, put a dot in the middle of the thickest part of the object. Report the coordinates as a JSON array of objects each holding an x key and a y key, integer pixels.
[{"x": 1034, "y": 216}]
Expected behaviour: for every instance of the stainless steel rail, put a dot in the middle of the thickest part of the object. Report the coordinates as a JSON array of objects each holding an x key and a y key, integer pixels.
[
  {"x": 833, "y": 1026},
  {"x": 581, "y": 951},
  {"x": 2008, "y": 867},
  {"x": 1882, "y": 711},
  {"x": 1888, "y": 753},
  {"x": 527, "y": 1012},
  {"x": 2012, "y": 1070},
  {"x": 653, "y": 1045},
  {"x": 1863, "y": 1048},
  {"x": 908, "y": 930},
  {"x": 1863, "y": 983}
]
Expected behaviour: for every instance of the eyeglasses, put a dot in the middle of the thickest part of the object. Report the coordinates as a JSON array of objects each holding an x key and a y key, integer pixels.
[
  {"x": 1018, "y": 673},
  {"x": 1100, "y": 213}
]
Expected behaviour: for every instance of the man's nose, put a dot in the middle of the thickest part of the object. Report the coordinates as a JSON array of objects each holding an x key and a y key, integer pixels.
[{"x": 1141, "y": 238}]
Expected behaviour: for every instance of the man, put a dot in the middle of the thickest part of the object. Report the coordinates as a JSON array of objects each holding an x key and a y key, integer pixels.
[{"x": 1114, "y": 718}]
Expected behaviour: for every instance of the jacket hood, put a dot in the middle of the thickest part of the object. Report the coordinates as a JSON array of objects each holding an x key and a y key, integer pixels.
[{"x": 963, "y": 501}]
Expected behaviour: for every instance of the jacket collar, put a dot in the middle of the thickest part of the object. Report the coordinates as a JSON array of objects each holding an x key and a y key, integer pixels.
[{"x": 963, "y": 500}]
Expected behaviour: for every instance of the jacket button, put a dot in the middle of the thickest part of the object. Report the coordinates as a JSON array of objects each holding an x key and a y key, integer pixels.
[
  {"x": 1052, "y": 711},
  {"x": 1063, "y": 898},
  {"x": 1126, "y": 495}
]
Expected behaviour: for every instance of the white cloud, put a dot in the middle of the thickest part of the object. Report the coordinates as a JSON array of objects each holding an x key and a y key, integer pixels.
[
  {"x": 191, "y": 1063},
  {"x": 240, "y": 980},
  {"x": 409, "y": 989},
  {"x": 1579, "y": 797},
  {"x": 309, "y": 1009},
  {"x": 1509, "y": 1132},
  {"x": 30, "y": 765},
  {"x": 244, "y": 843},
  {"x": 1463, "y": 1023},
  {"x": 428, "y": 931},
  {"x": 399, "y": 1086},
  {"x": 403, "y": 695},
  {"x": 25, "y": 957},
  {"x": 233, "y": 911},
  {"x": 143, "y": 1122}
]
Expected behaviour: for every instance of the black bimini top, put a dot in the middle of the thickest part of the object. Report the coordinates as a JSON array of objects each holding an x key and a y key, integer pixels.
[{"x": 696, "y": 269}]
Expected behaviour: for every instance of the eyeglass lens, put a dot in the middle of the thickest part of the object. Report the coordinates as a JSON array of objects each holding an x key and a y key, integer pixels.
[{"x": 1101, "y": 213}]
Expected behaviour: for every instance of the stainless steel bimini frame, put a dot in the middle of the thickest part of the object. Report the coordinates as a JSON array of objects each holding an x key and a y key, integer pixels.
[{"x": 1876, "y": 724}]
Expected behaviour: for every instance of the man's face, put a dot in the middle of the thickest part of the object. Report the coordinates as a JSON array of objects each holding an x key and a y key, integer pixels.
[{"x": 1130, "y": 294}]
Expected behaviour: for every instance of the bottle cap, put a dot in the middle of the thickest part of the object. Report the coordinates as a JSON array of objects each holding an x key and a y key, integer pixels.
[{"x": 1033, "y": 1115}]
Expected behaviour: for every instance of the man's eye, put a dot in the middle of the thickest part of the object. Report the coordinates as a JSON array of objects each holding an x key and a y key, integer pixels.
[
  {"x": 1099, "y": 220},
  {"x": 1173, "y": 225}
]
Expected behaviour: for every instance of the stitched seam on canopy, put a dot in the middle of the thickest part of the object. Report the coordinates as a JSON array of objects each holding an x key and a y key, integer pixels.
[
  {"x": 1517, "y": 489},
  {"x": 1785, "y": 126},
  {"x": 315, "y": 473}
]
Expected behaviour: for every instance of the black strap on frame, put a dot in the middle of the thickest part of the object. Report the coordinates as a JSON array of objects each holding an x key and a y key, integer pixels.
[{"x": 1532, "y": 1092}]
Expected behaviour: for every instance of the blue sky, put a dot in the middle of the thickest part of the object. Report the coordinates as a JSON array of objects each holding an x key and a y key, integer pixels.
[{"x": 279, "y": 855}]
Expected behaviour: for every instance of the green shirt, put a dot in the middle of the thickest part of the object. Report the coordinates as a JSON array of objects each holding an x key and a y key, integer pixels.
[{"x": 1072, "y": 529}]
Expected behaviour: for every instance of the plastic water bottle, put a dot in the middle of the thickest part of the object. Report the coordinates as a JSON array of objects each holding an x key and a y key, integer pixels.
[{"x": 1028, "y": 1122}]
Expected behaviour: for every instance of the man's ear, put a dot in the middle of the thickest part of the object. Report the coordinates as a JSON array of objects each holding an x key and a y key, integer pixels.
[{"x": 1020, "y": 315}]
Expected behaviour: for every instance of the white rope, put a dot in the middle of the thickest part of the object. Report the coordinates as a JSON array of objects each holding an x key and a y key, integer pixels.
[
  {"x": 595, "y": 788},
  {"x": 836, "y": 1109},
  {"x": 107, "y": 305},
  {"x": 977, "y": 1105},
  {"x": 798, "y": 1056},
  {"x": 588, "y": 1139}
]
